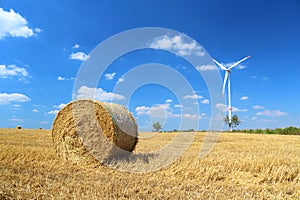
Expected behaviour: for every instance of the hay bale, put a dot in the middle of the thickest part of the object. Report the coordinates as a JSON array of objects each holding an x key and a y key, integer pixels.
[
  {"x": 86, "y": 129},
  {"x": 18, "y": 127}
]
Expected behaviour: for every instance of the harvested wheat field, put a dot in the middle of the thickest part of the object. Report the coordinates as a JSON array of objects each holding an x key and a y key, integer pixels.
[{"x": 241, "y": 166}]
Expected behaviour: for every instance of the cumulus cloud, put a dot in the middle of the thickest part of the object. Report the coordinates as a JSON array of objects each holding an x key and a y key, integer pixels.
[
  {"x": 53, "y": 112},
  {"x": 35, "y": 110},
  {"x": 206, "y": 68},
  {"x": 240, "y": 66},
  {"x": 243, "y": 98},
  {"x": 57, "y": 108},
  {"x": 16, "y": 120},
  {"x": 109, "y": 76},
  {"x": 60, "y": 106},
  {"x": 258, "y": 107},
  {"x": 142, "y": 110},
  {"x": 12, "y": 24},
  {"x": 61, "y": 78},
  {"x": 205, "y": 101},
  {"x": 165, "y": 111},
  {"x": 158, "y": 111},
  {"x": 178, "y": 106},
  {"x": 76, "y": 46},
  {"x": 223, "y": 108},
  {"x": 271, "y": 113},
  {"x": 121, "y": 79},
  {"x": 97, "y": 93},
  {"x": 12, "y": 70},
  {"x": 193, "y": 96},
  {"x": 14, "y": 97},
  {"x": 178, "y": 45},
  {"x": 79, "y": 56},
  {"x": 169, "y": 100},
  {"x": 190, "y": 116},
  {"x": 265, "y": 78}
]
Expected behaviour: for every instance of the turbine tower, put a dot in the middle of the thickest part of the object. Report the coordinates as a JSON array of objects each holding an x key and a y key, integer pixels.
[{"x": 227, "y": 76}]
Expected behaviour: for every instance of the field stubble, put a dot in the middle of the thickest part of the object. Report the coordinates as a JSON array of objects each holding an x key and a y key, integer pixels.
[{"x": 240, "y": 166}]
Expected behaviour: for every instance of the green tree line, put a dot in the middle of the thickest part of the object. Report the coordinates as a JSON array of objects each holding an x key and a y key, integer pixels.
[{"x": 282, "y": 131}]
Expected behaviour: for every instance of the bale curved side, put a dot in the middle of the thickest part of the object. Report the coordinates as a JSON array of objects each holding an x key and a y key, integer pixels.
[{"x": 86, "y": 129}]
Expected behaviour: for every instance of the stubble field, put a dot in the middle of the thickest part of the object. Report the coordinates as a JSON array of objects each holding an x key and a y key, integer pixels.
[{"x": 240, "y": 166}]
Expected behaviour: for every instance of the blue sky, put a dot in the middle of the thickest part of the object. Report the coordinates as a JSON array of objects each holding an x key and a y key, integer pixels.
[{"x": 44, "y": 43}]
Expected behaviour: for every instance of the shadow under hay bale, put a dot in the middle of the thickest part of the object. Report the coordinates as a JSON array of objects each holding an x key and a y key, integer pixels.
[
  {"x": 18, "y": 127},
  {"x": 86, "y": 130}
]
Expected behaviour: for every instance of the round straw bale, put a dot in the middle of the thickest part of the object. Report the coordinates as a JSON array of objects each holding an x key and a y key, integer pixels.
[
  {"x": 18, "y": 127},
  {"x": 86, "y": 129}
]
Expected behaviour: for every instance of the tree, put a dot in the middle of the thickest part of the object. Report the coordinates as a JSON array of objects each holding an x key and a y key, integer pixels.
[
  {"x": 156, "y": 127},
  {"x": 235, "y": 121}
]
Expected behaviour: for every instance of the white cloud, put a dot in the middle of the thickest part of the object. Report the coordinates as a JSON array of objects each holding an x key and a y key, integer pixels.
[
  {"x": 12, "y": 70},
  {"x": 205, "y": 101},
  {"x": 190, "y": 116},
  {"x": 271, "y": 113},
  {"x": 53, "y": 112},
  {"x": 76, "y": 46},
  {"x": 97, "y": 93},
  {"x": 240, "y": 66},
  {"x": 257, "y": 107},
  {"x": 14, "y": 25},
  {"x": 121, "y": 79},
  {"x": 254, "y": 118},
  {"x": 243, "y": 98},
  {"x": 206, "y": 68},
  {"x": 57, "y": 108},
  {"x": 178, "y": 106},
  {"x": 37, "y": 30},
  {"x": 35, "y": 110},
  {"x": 157, "y": 111},
  {"x": 169, "y": 100},
  {"x": 110, "y": 76},
  {"x": 193, "y": 96},
  {"x": 265, "y": 78},
  {"x": 142, "y": 110},
  {"x": 79, "y": 56},
  {"x": 177, "y": 45},
  {"x": 60, "y": 78},
  {"x": 14, "y": 97},
  {"x": 164, "y": 111},
  {"x": 60, "y": 106},
  {"x": 16, "y": 120},
  {"x": 224, "y": 108}
]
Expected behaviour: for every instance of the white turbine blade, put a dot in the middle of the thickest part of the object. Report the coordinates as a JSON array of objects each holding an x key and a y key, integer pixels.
[
  {"x": 237, "y": 63},
  {"x": 219, "y": 64},
  {"x": 224, "y": 83}
]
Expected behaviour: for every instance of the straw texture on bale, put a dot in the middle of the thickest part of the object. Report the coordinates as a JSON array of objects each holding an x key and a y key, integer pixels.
[{"x": 85, "y": 130}]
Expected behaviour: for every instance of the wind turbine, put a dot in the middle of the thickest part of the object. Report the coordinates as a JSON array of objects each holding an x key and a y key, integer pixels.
[{"x": 227, "y": 76}]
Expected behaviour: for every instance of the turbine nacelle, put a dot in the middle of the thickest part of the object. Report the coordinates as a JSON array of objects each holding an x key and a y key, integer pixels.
[{"x": 228, "y": 70}]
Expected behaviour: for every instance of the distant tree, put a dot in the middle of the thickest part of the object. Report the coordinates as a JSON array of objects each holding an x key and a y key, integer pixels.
[
  {"x": 156, "y": 127},
  {"x": 235, "y": 121}
]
